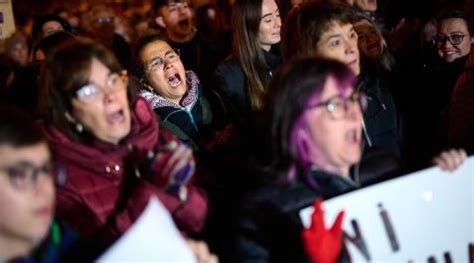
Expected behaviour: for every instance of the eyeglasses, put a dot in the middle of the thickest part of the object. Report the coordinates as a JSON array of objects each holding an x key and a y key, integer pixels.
[
  {"x": 338, "y": 105},
  {"x": 158, "y": 62},
  {"x": 93, "y": 92},
  {"x": 103, "y": 20},
  {"x": 25, "y": 175},
  {"x": 455, "y": 39}
]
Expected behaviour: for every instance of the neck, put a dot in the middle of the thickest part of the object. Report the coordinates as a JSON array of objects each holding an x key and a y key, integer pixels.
[
  {"x": 341, "y": 171},
  {"x": 11, "y": 248},
  {"x": 266, "y": 47},
  {"x": 180, "y": 38},
  {"x": 176, "y": 101}
]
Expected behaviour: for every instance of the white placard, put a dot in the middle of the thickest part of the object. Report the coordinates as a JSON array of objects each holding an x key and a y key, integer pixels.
[
  {"x": 152, "y": 238},
  {"x": 7, "y": 22},
  {"x": 427, "y": 215}
]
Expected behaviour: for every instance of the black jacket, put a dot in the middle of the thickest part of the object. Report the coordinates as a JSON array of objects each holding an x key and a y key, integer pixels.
[
  {"x": 269, "y": 228},
  {"x": 382, "y": 122},
  {"x": 230, "y": 81}
]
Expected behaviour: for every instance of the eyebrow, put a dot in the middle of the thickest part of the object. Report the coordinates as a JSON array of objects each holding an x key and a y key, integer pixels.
[
  {"x": 271, "y": 13},
  {"x": 352, "y": 29}
]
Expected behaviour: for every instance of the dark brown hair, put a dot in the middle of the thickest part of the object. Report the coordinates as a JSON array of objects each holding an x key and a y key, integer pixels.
[
  {"x": 66, "y": 70},
  {"x": 246, "y": 18},
  {"x": 306, "y": 23}
]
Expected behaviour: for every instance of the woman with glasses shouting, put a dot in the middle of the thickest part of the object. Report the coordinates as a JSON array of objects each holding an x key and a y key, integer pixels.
[
  {"x": 315, "y": 140},
  {"x": 112, "y": 155},
  {"x": 176, "y": 95}
]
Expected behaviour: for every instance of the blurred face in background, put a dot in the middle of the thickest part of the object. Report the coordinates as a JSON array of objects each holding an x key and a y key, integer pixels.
[
  {"x": 339, "y": 42},
  {"x": 369, "y": 41},
  {"x": 270, "y": 24},
  {"x": 26, "y": 197},
  {"x": 366, "y": 5},
  {"x": 18, "y": 54},
  {"x": 177, "y": 19},
  {"x": 50, "y": 28},
  {"x": 453, "y": 39}
]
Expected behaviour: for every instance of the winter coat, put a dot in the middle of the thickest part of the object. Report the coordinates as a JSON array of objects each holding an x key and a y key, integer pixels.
[
  {"x": 186, "y": 121},
  {"x": 382, "y": 122},
  {"x": 269, "y": 227},
  {"x": 100, "y": 187},
  {"x": 461, "y": 117},
  {"x": 231, "y": 82},
  {"x": 62, "y": 244}
]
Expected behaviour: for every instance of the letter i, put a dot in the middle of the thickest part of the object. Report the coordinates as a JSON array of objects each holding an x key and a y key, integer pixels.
[{"x": 389, "y": 228}]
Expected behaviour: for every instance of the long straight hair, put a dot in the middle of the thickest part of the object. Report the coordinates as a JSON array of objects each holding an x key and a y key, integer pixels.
[{"x": 246, "y": 18}]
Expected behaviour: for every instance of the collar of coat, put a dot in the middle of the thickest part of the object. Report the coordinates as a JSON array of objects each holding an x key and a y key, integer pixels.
[{"x": 157, "y": 101}]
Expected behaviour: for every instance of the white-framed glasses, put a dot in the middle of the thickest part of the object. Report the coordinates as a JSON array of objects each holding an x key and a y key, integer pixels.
[{"x": 92, "y": 92}]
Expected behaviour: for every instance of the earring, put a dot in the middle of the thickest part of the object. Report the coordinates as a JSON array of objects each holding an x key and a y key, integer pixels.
[{"x": 77, "y": 125}]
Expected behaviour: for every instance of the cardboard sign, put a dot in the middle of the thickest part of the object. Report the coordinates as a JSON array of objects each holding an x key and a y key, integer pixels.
[
  {"x": 427, "y": 216},
  {"x": 7, "y": 22}
]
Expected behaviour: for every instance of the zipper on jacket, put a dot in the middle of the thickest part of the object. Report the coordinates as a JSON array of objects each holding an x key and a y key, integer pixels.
[{"x": 193, "y": 122}]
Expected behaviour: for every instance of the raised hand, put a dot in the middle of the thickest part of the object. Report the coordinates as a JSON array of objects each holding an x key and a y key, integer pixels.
[{"x": 321, "y": 244}]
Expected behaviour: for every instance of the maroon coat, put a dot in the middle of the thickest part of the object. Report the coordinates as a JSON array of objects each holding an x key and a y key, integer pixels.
[{"x": 98, "y": 192}]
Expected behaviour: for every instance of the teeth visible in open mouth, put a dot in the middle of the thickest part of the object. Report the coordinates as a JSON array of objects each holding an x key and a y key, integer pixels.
[{"x": 174, "y": 80}]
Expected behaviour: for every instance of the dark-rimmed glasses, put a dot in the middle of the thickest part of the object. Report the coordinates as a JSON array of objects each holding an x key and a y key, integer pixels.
[
  {"x": 25, "y": 175},
  {"x": 158, "y": 62},
  {"x": 338, "y": 106},
  {"x": 454, "y": 39}
]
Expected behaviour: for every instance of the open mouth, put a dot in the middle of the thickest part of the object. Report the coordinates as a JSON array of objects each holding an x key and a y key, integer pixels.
[
  {"x": 116, "y": 117},
  {"x": 184, "y": 23},
  {"x": 174, "y": 80},
  {"x": 353, "y": 137}
]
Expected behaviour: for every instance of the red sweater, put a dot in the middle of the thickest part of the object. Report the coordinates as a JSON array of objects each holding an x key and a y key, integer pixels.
[{"x": 98, "y": 192}]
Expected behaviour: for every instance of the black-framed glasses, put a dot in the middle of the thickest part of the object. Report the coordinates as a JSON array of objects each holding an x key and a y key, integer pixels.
[
  {"x": 93, "y": 92},
  {"x": 25, "y": 175},
  {"x": 454, "y": 39},
  {"x": 338, "y": 105},
  {"x": 158, "y": 62}
]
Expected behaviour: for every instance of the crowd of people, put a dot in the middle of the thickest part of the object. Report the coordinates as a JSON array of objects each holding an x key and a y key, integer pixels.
[{"x": 235, "y": 114}]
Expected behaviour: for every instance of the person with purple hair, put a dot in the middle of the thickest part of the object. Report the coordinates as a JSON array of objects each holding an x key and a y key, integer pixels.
[{"x": 315, "y": 141}]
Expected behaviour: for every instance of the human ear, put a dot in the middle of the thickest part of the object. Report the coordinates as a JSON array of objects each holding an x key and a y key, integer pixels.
[{"x": 159, "y": 21}]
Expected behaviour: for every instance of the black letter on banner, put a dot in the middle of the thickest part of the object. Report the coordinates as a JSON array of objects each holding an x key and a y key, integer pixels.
[
  {"x": 358, "y": 240},
  {"x": 392, "y": 238},
  {"x": 432, "y": 259},
  {"x": 471, "y": 252},
  {"x": 447, "y": 257}
]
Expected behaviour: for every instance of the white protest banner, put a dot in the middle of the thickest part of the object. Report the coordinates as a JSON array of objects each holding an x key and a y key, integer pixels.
[
  {"x": 7, "y": 22},
  {"x": 427, "y": 216},
  {"x": 152, "y": 238}
]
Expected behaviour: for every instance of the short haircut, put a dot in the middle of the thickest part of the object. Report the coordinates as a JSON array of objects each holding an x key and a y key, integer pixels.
[
  {"x": 306, "y": 23},
  {"x": 456, "y": 13},
  {"x": 17, "y": 128},
  {"x": 157, "y": 4}
]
